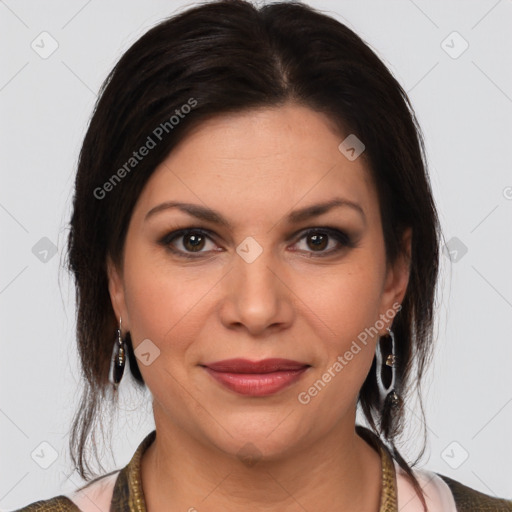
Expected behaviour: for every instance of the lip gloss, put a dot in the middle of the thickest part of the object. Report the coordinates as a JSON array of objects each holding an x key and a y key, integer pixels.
[{"x": 257, "y": 384}]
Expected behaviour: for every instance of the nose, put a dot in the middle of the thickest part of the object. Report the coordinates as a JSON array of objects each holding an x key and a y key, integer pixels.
[{"x": 257, "y": 296}]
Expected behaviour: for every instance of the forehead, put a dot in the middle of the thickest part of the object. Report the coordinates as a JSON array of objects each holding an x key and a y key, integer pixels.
[{"x": 260, "y": 161}]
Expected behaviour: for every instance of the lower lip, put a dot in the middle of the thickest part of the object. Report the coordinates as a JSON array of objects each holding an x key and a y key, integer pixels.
[{"x": 257, "y": 384}]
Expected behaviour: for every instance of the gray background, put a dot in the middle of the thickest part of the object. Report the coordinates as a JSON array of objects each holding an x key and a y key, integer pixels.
[{"x": 464, "y": 104}]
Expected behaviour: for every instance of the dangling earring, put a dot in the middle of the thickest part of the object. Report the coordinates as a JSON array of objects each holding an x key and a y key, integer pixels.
[
  {"x": 385, "y": 384},
  {"x": 118, "y": 359}
]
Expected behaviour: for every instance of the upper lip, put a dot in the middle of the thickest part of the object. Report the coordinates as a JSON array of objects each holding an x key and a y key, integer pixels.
[{"x": 264, "y": 366}]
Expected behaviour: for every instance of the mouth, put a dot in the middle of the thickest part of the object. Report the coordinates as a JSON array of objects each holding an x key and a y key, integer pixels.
[{"x": 256, "y": 378}]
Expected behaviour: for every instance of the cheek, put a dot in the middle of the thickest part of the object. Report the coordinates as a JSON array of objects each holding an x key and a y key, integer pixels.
[
  {"x": 158, "y": 313},
  {"x": 345, "y": 299},
  {"x": 348, "y": 307},
  {"x": 165, "y": 307}
]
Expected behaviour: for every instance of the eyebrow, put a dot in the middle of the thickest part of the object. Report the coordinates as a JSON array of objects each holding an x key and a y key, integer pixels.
[{"x": 207, "y": 214}]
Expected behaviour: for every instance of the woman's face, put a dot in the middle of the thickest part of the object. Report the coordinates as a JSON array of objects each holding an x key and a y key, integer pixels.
[{"x": 248, "y": 281}]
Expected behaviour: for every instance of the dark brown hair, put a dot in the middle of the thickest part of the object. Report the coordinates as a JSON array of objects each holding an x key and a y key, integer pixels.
[{"x": 230, "y": 56}]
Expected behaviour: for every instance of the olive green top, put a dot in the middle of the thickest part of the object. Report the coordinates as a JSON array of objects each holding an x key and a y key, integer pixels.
[{"x": 128, "y": 495}]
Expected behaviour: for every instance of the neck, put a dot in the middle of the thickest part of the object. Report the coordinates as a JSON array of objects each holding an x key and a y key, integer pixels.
[{"x": 179, "y": 472}]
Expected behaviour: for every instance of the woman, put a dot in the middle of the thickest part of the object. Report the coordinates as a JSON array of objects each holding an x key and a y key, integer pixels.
[{"x": 253, "y": 219}]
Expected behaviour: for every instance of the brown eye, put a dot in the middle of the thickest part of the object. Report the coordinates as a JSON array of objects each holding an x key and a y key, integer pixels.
[
  {"x": 324, "y": 241},
  {"x": 193, "y": 241},
  {"x": 317, "y": 241},
  {"x": 189, "y": 243}
]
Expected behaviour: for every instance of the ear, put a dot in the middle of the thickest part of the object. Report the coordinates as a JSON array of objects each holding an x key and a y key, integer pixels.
[
  {"x": 117, "y": 296},
  {"x": 397, "y": 279}
]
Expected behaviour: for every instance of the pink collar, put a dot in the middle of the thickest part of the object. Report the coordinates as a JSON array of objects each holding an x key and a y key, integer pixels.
[{"x": 96, "y": 497}]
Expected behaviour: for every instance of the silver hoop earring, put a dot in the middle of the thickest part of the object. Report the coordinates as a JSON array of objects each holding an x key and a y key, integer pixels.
[
  {"x": 118, "y": 359},
  {"x": 385, "y": 382}
]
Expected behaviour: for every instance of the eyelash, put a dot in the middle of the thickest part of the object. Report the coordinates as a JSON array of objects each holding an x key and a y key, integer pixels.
[{"x": 343, "y": 239}]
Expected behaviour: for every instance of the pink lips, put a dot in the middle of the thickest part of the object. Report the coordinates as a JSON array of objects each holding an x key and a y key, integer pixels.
[{"x": 256, "y": 378}]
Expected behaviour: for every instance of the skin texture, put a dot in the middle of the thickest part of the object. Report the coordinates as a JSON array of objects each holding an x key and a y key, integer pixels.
[{"x": 254, "y": 168}]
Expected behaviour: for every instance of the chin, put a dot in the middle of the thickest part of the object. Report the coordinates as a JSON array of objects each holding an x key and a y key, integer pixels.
[{"x": 257, "y": 436}]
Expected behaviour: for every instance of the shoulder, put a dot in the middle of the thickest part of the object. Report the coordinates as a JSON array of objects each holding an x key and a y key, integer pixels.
[
  {"x": 95, "y": 496},
  {"x": 469, "y": 500},
  {"x": 57, "y": 504},
  {"x": 444, "y": 494}
]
